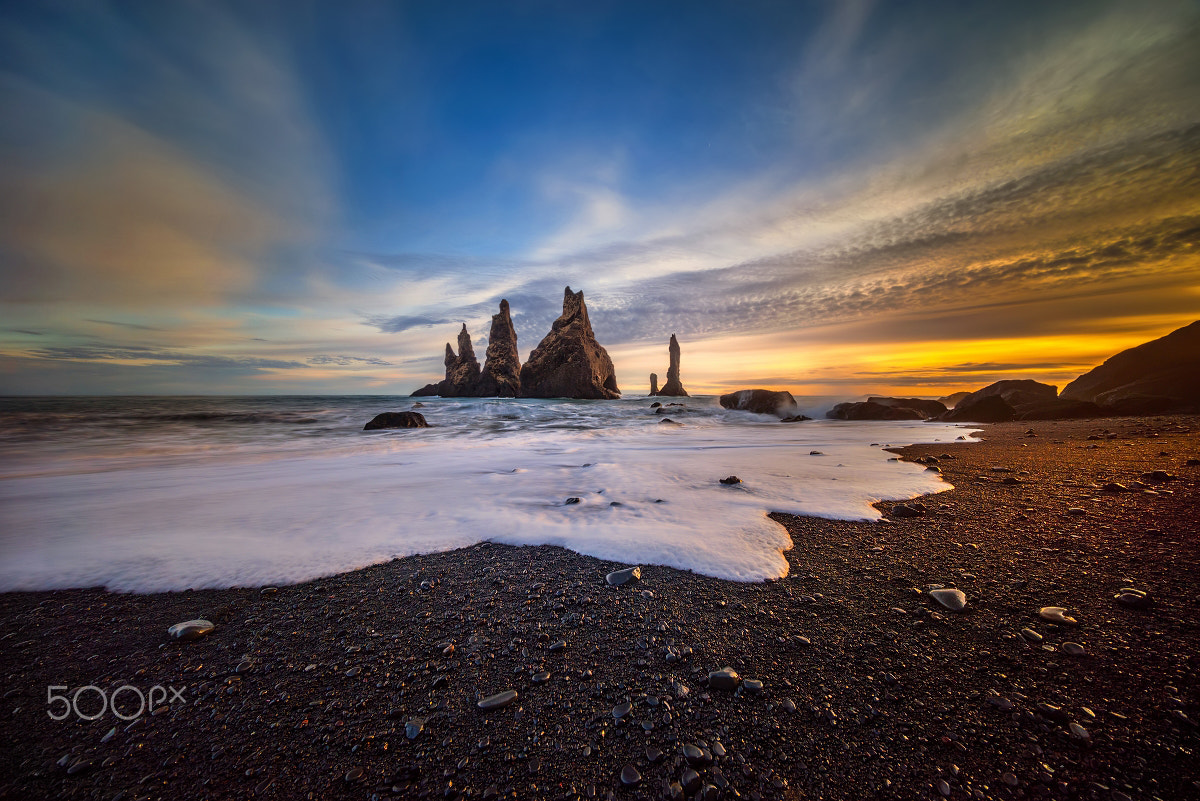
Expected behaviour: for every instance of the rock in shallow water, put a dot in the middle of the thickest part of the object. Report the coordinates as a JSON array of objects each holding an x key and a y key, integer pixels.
[
  {"x": 619, "y": 577},
  {"x": 396, "y": 420},
  {"x": 954, "y": 600},
  {"x": 190, "y": 630}
]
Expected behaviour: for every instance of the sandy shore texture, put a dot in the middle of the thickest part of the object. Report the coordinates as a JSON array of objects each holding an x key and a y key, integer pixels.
[{"x": 365, "y": 685}]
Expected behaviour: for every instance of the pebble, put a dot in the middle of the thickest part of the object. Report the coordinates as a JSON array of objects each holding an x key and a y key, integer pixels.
[
  {"x": 1074, "y": 649},
  {"x": 541, "y": 677},
  {"x": 1031, "y": 635},
  {"x": 1075, "y": 510},
  {"x": 190, "y": 630},
  {"x": 1056, "y": 614},
  {"x": 630, "y": 775},
  {"x": 619, "y": 577},
  {"x": 1136, "y": 599},
  {"x": 1009, "y": 778},
  {"x": 498, "y": 701},
  {"x": 414, "y": 727},
  {"x": 621, "y": 710},
  {"x": 752, "y": 686},
  {"x": 724, "y": 679},
  {"x": 1079, "y": 732},
  {"x": 354, "y": 774},
  {"x": 954, "y": 600}
]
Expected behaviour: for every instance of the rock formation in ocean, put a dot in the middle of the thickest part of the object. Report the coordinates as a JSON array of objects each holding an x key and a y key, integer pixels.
[
  {"x": 462, "y": 371},
  {"x": 501, "y": 376},
  {"x": 927, "y": 408},
  {"x": 654, "y": 383},
  {"x": 426, "y": 391},
  {"x": 872, "y": 410},
  {"x": 762, "y": 401},
  {"x": 396, "y": 420},
  {"x": 673, "y": 387},
  {"x": 569, "y": 362},
  {"x": 1157, "y": 376},
  {"x": 1015, "y": 392}
]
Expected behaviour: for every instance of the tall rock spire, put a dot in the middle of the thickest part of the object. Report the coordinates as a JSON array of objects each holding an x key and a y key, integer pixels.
[
  {"x": 569, "y": 362},
  {"x": 501, "y": 375},
  {"x": 673, "y": 386}
]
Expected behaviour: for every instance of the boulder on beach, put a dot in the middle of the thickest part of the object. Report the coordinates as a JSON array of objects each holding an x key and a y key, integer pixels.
[
  {"x": 928, "y": 408},
  {"x": 1059, "y": 409},
  {"x": 396, "y": 420},
  {"x": 871, "y": 410},
  {"x": 569, "y": 362},
  {"x": 1157, "y": 376},
  {"x": 501, "y": 376},
  {"x": 673, "y": 387},
  {"x": 985, "y": 409},
  {"x": 761, "y": 401}
]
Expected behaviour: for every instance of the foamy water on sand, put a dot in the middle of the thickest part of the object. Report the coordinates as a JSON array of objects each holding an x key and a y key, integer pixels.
[{"x": 157, "y": 494}]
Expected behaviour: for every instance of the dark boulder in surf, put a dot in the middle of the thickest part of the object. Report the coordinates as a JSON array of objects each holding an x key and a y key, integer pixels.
[
  {"x": 396, "y": 420},
  {"x": 761, "y": 401}
]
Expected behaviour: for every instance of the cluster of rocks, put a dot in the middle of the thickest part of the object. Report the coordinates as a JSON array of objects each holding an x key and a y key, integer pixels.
[
  {"x": 567, "y": 363},
  {"x": 1154, "y": 378}
]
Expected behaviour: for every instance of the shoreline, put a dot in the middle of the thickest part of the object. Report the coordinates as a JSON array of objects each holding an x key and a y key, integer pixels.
[{"x": 891, "y": 696}]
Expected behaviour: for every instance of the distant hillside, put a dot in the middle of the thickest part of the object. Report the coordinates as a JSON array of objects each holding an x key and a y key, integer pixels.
[{"x": 1166, "y": 371}]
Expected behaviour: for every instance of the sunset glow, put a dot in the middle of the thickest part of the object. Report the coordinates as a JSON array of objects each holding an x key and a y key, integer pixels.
[{"x": 836, "y": 199}]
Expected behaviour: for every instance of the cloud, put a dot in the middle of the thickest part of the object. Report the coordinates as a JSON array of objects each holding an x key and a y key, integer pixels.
[
  {"x": 135, "y": 353},
  {"x": 188, "y": 198},
  {"x": 346, "y": 361},
  {"x": 402, "y": 322}
]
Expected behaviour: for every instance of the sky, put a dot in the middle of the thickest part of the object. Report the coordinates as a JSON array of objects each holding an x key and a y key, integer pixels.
[{"x": 837, "y": 198}]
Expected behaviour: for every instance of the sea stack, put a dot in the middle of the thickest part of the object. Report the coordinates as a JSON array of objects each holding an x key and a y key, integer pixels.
[
  {"x": 569, "y": 362},
  {"x": 501, "y": 376},
  {"x": 462, "y": 371},
  {"x": 654, "y": 383},
  {"x": 673, "y": 386}
]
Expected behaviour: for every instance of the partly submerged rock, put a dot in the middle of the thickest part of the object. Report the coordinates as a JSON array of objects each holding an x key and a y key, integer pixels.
[
  {"x": 761, "y": 401},
  {"x": 190, "y": 630},
  {"x": 501, "y": 376},
  {"x": 396, "y": 420},
  {"x": 673, "y": 387},
  {"x": 870, "y": 410},
  {"x": 569, "y": 362}
]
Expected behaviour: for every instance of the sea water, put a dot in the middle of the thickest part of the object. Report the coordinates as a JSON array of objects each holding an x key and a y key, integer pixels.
[{"x": 154, "y": 494}]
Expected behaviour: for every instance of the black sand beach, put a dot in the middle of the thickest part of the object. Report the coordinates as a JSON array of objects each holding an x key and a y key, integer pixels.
[{"x": 365, "y": 685}]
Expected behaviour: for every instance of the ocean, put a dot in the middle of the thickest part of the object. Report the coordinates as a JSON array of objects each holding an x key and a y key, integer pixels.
[{"x": 148, "y": 494}]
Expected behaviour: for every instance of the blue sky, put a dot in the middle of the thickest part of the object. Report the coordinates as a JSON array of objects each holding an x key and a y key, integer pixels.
[{"x": 831, "y": 197}]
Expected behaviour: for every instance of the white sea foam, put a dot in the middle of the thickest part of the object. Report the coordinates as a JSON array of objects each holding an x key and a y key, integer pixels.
[{"x": 167, "y": 511}]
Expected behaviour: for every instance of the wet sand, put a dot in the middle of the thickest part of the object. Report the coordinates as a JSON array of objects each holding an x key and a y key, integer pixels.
[{"x": 870, "y": 688}]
